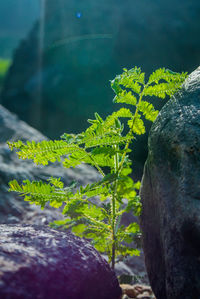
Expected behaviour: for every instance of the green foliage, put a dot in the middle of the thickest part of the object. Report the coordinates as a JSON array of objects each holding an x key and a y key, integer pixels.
[
  {"x": 4, "y": 65},
  {"x": 103, "y": 145}
]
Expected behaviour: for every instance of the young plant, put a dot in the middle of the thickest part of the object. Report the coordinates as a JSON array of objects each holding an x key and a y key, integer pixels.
[{"x": 105, "y": 146}]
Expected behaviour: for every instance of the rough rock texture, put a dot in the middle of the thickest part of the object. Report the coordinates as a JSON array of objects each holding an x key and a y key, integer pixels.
[
  {"x": 39, "y": 262},
  {"x": 12, "y": 208},
  {"x": 171, "y": 197},
  {"x": 136, "y": 291},
  {"x": 132, "y": 270}
]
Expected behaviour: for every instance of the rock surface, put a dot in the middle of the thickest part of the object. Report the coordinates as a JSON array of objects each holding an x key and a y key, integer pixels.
[
  {"x": 136, "y": 291},
  {"x": 39, "y": 262},
  {"x": 171, "y": 196}
]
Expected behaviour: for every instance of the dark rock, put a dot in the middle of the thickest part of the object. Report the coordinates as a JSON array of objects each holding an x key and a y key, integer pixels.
[
  {"x": 12, "y": 208},
  {"x": 170, "y": 194},
  {"x": 39, "y": 262}
]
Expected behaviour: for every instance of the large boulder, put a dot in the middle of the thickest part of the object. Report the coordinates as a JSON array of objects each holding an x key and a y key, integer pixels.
[
  {"x": 170, "y": 195},
  {"x": 39, "y": 262}
]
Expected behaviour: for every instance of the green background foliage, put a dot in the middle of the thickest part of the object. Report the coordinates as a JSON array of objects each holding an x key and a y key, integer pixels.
[{"x": 4, "y": 66}]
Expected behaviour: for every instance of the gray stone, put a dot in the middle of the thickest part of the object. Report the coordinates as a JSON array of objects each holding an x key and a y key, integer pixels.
[
  {"x": 170, "y": 195},
  {"x": 131, "y": 270},
  {"x": 39, "y": 262}
]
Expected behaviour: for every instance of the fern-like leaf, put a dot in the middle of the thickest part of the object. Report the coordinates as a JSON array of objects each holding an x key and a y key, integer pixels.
[
  {"x": 126, "y": 98},
  {"x": 148, "y": 110},
  {"x": 131, "y": 79},
  {"x": 39, "y": 193},
  {"x": 137, "y": 125},
  {"x": 43, "y": 152},
  {"x": 121, "y": 113},
  {"x": 162, "y": 89},
  {"x": 106, "y": 140},
  {"x": 134, "y": 74},
  {"x": 167, "y": 75}
]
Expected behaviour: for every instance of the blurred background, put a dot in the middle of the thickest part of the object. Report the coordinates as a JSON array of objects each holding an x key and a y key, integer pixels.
[{"x": 57, "y": 56}]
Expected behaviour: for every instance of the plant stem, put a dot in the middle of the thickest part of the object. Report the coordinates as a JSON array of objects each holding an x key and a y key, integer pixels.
[
  {"x": 113, "y": 253},
  {"x": 96, "y": 165},
  {"x": 113, "y": 232},
  {"x": 118, "y": 168},
  {"x": 113, "y": 203},
  {"x": 130, "y": 131}
]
